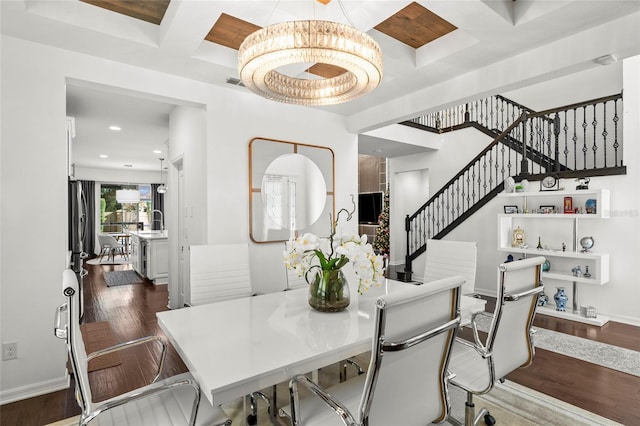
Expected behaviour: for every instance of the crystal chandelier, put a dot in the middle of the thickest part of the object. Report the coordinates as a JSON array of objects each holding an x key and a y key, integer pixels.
[{"x": 310, "y": 41}]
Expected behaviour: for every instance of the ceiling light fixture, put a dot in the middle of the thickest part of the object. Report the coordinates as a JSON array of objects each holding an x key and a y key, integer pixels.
[
  {"x": 263, "y": 52},
  {"x": 115, "y": 128},
  {"x": 162, "y": 188},
  {"x": 606, "y": 59},
  {"x": 126, "y": 195}
]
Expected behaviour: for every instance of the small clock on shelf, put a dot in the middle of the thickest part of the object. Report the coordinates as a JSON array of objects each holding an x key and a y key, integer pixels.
[
  {"x": 518, "y": 237},
  {"x": 549, "y": 183}
]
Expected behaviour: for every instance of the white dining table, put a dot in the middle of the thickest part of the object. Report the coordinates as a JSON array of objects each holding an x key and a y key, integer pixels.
[{"x": 236, "y": 347}]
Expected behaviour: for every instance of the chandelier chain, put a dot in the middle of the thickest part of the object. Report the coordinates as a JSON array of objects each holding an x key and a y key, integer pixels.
[{"x": 344, "y": 12}]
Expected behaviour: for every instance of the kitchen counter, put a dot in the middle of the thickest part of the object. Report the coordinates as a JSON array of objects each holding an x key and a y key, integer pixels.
[
  {"x": 150, "y": 235},
  {"x": 150, "y": 255}
]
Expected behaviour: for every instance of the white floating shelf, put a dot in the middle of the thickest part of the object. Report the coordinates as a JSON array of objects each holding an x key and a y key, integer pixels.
[{"x": 600, "y": 320}]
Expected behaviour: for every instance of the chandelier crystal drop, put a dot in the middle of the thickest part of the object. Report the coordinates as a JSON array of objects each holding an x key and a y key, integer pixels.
[{"x": 310, "y": 42}]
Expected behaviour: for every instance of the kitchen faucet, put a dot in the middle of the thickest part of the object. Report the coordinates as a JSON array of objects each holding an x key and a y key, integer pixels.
[{"x": 161, "y": 218}]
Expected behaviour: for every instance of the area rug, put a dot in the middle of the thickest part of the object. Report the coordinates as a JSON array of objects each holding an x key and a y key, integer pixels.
[
  {"x": 509, "y": 403},
  {"x": 116, "y": 260},
  {"x": 114, "y": 278},
  {"x": 96, "y": 336}
]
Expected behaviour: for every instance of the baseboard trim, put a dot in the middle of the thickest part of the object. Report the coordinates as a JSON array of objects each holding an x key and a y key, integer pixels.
[
  {"x": 625, "y": 320},
  {"x": 35, "y": 389}
]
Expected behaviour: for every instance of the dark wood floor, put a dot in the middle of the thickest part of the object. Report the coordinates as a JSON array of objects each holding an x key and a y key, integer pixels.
[{"x": 131, "y": 311}]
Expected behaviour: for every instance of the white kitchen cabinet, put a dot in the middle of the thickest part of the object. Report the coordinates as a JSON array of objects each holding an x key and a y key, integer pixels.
[
  {"x": 553, "y": 231},
  {"x": 137, "y": 260},
  {"x": 150, "y": 255},
  {"x": 158, "y": 260}
]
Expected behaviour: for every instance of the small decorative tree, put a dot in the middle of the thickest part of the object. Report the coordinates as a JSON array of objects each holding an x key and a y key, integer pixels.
[{"x": 381, "y": 241}]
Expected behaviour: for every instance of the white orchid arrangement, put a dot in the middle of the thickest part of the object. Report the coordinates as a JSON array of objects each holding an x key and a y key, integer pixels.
[{"x": 308, "y": 253}]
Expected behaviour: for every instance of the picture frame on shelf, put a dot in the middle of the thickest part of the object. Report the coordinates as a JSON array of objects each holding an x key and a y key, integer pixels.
[
  {"x": 547, "y": 209},
  {"x": 510, "y": 209},
  {"x": 568, "y": 205}
]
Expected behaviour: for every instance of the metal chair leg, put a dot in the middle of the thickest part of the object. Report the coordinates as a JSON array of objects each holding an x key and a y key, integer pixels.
[
  {"x": 252, "y": 417},
  {"x": 470, "y": 416},
  {"x": 343, "y": 368}
]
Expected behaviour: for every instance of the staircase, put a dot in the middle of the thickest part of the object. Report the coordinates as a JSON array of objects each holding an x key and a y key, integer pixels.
[{"x": 573, "y": 141}]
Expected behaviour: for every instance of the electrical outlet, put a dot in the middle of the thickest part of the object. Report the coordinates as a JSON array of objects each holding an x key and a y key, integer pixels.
[{"x": 9, "y": 351}]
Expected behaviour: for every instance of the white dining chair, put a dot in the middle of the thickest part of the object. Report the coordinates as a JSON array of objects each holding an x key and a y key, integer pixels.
[
  {"x": 294, "y": 281},
  {"x": 448, "y": 258},
  {"x": 219, "y": 272},
  {"x": 477, "y": 365},
  {"x": 172, "y": 401},
  {"x": 406, "y": 383},
  {"x": 109, "y": 246},
  {"x": 222, "y": 272}
]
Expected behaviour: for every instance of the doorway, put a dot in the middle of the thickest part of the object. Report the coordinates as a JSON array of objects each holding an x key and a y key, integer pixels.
[
  {"x": 409, "y": 189},
  {"x": 119, "y": 137}
]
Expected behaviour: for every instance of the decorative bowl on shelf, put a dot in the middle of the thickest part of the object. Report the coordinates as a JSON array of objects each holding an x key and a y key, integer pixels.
[{"x": 586, "y": 243}]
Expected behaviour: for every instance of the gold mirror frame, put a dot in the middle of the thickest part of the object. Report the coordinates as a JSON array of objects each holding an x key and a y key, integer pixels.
[{"x": 262, "y": 152}]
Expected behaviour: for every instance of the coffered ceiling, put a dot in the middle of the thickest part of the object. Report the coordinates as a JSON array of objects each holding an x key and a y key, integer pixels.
[
  {"x": 425, "y": 43},
  {"x": 477, "y": 33},
  {"x": 148, "y": 10}
]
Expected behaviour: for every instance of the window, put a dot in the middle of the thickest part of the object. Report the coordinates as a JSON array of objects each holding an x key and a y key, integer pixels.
[{"x": 117, "y": 217}]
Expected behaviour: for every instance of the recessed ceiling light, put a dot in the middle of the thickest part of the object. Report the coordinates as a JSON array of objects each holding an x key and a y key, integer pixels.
[
  {"x": 104, "y": 156},
  {"x": 115, "y": 128},
  {"x": 157, "y": 151}
]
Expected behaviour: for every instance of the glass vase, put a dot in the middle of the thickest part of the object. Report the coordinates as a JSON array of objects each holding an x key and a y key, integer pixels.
[{"x": 329, "y": 291}]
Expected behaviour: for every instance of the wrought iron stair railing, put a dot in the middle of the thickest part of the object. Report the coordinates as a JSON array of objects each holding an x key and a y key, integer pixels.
[{"x": 576, "y": 140}]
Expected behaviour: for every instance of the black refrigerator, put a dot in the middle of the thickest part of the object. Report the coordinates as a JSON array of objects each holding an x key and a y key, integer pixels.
[{"x": 77, "y": 231}]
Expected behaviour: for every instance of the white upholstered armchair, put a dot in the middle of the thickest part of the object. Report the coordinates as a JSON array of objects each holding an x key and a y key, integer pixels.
[
  {"x": 172, "y": 401},
  {"x": 407, "y": 379},
  {"x": 477, "y": 365}
]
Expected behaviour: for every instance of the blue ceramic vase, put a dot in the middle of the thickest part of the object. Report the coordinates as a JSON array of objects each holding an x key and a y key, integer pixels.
[
  {"x": 543, "y": 299},
  {"x": 561, "y": 299}
]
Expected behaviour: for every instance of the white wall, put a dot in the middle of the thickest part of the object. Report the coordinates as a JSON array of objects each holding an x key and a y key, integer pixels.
[
  {"x": 457, "y": 149},
  {"x": 616, "y": 236},
  {"x": 34, "y": 216},
  {"x": 409, "y": 192},
  {"x": 234, "y": 120},
  {"x": 188, "y": 146}
]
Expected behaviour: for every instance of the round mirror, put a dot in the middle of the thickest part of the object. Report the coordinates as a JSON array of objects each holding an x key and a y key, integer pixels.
[{"x": 293, "y": 192}]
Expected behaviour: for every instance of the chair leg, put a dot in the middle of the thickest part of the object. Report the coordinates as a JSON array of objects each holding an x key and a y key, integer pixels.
[
  {"x": 343, "y": 369},
  {"x": 470, "y": 416},
  {"x": 252, "y": 418},
  {"x": 102, "y": 253}
]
